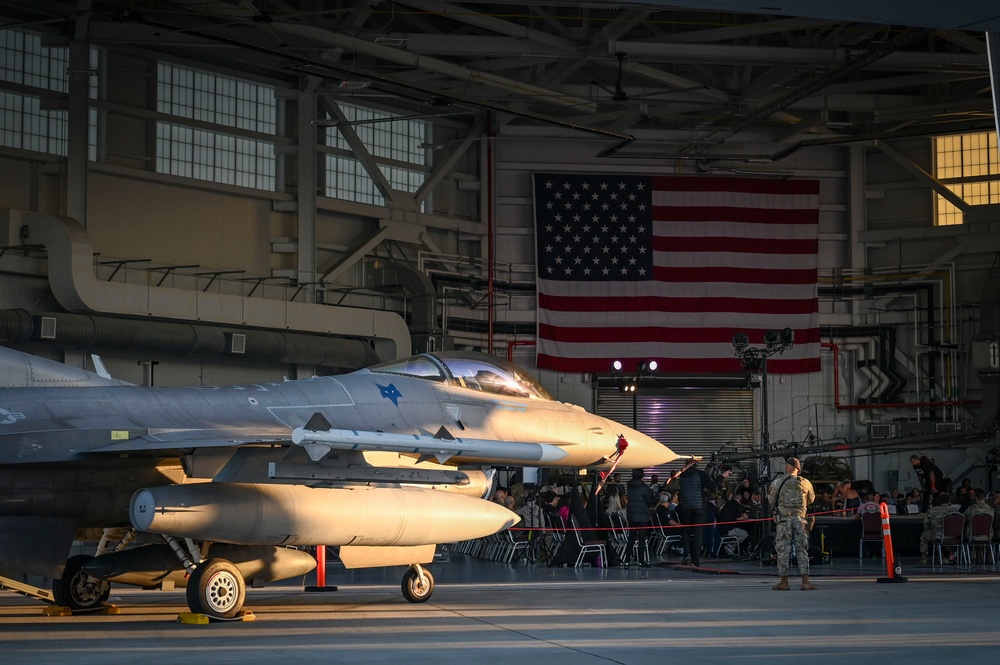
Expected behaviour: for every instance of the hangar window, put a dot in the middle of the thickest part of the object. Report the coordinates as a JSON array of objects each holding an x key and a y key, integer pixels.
[
  {"x": 968, "y": 165},
  {"x": 24, "y": 123},
  {"x": 230, "y": 154},
  {"x": 396, "y": 144}
]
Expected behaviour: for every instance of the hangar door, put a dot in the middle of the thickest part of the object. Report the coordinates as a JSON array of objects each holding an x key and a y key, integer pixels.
[{"x": 691, "y": 421}]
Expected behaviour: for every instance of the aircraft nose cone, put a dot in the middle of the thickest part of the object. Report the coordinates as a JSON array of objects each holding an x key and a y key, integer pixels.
[{"x": 644, "y": 451}]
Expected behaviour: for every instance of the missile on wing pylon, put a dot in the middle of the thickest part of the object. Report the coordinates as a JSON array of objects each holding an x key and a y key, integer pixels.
[
  {"x": 444, "y": 448},
  {"x": 265, "y": 514}
]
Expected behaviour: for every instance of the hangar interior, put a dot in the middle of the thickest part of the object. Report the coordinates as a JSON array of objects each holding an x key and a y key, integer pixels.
[{"x": 229, "y": 191}]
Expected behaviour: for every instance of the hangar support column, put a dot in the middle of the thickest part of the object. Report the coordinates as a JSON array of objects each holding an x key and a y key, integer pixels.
[{"x": 307, "y": 181}]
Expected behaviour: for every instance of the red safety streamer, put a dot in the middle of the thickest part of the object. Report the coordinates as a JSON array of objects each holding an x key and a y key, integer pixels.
[{"x": 620, "y": 445}]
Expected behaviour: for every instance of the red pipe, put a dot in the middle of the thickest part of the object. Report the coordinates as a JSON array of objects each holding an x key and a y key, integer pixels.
[
  {"x": 895, "y": 405},
  {"x": 489, "y": 234},
  {"x": 511, "y": 345}
]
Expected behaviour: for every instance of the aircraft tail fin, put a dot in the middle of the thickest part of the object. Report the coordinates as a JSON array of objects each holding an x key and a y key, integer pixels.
[
  {"x": 23, "y": 370},
  {"x": 318, "y": 423},
  {"x": 102, "y": 371}
]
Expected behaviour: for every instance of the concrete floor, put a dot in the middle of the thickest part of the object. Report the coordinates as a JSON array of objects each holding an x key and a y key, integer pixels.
[{"x": 484, "y": 612}]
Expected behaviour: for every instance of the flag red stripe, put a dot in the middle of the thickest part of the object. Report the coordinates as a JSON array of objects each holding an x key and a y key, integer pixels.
[
  {"x": 660, "y": 334},
  {"x": 738, "y": 245},
  {"x": 648, "y": 303},
  {"x": 739, "y": 275}
]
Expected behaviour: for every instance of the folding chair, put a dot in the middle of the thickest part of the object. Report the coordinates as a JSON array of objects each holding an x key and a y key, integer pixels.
[
  {"x": 980, "y": 535},
  {"x": 871, "y": 532},
  {"x": 662, "y": 537},
  {"x": 586, "y": 546},
  {"x": 952, "y": 535},
  {"x": 619, "y": 535}
]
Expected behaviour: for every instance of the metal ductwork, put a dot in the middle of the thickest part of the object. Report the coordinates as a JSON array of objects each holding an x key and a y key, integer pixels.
[
  {"x": 84, "y": 331},
  {"x": 77, "y": 289},
  {"x": 420, "y": 293}
]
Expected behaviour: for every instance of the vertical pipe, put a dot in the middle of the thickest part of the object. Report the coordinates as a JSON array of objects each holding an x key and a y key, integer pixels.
[
  {"x": 321, "y": 566},
  {"x": 78, "y": 131},
  {"x": 489, "y": 233}
]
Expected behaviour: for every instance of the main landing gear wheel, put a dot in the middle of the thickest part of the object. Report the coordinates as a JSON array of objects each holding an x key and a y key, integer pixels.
[
  {"x": 216, "y": 589},
  {"x": 415, "y": 589},
  {"x": 76, "y": 589}
]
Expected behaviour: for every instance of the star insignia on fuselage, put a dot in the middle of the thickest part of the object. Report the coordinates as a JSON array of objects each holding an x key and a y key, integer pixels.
[{"x": 390, "y": 392}]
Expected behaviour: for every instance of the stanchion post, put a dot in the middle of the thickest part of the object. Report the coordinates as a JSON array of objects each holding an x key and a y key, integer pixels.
[
  {"x": 892, "y": 570},
  {"x": 320, "y": 571}
]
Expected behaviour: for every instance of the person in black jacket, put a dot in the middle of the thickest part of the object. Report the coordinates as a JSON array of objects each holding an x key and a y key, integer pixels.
[
  {"x": 931, "y": 478},
  {"x": 695, "y": 485},
  {"x": 641, "y": 501}
]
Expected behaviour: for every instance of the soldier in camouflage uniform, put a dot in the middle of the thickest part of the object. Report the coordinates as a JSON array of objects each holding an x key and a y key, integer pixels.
[
  {"x": 933, "y": 523},
  {"x": 979, "y": 507},
  {"x": 790, "y": 498}
]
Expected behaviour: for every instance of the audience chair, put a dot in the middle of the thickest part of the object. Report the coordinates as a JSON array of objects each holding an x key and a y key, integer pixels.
[
  {"x": 586, "y": 546},
  {"x": 619, "y": 535},
  {"x": 871, "y": 532},
  {"x": 952, "y": 535},
  {"x": 980, "y": 525},
  {"x": 662, "y": 537},
  {"x": 728, "y": 540}
]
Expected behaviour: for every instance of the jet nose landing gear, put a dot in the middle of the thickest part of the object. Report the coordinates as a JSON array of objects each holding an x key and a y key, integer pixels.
[
  {"x": 216, "y": 589},
  {"x": 418, "y": 584}
]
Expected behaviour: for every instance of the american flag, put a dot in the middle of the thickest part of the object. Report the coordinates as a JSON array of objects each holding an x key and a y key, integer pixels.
[{"x": 667, "y": 268}]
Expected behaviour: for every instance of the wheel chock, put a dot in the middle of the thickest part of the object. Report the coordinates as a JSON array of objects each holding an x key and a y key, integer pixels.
[
  {"x": 108, "y": 610},
  {"x": 198, "y": 619},
  {"x": 192, "y": 618},
  {"x": 57, "y": 611}
]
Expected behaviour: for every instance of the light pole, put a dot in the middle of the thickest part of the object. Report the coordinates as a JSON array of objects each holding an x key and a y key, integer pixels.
[{"x": 755, "y": 358}]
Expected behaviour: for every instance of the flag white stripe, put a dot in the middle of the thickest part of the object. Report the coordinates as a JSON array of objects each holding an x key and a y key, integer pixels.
[
  {"x": 708, "y": 351},
  {"x": 710, "y": 230},
  {"x": 734, "y": 260}
]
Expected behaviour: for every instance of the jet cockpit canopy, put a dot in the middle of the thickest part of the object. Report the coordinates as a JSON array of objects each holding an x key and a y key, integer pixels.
[{"x": 475, "y": 371}]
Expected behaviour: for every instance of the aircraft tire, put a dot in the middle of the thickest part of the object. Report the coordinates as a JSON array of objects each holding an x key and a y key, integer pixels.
[
  {"x": 413, "y": 590},
  {"x": 217, "y": 589},
  {"x": 76, "y": 589}
]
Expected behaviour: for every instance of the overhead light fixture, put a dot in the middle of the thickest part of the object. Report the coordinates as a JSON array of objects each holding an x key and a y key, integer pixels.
[
  {"x": 647, "y": 367},
  {"x": 353, "y": 85},
  {"x": 740, "y": 341},
  {"x": 616, "y": 366}
]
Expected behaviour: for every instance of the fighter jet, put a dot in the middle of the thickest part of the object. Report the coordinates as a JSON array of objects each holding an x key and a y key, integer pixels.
[{"x": 216, "y": 488}]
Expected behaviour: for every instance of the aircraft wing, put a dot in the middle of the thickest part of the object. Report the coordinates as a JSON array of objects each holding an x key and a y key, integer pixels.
[
  {"x": 318, "y": 437},
  {"x": 188, "y": 439}
]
